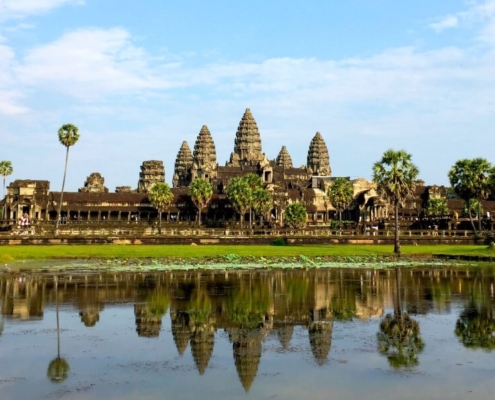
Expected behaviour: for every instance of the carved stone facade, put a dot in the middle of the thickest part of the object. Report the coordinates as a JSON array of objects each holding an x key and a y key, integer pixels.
[
  {"x": 151, "y": 172},
  {"x": 204, "y": 156},
  {"x": 95, "y": 183}
]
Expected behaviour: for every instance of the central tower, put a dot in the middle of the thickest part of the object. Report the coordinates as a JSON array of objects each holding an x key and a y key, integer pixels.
[{"x": 247, "y": 146}]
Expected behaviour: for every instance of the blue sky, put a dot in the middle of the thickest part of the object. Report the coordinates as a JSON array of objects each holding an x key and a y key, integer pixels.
[{"x": 138, "y": 78}]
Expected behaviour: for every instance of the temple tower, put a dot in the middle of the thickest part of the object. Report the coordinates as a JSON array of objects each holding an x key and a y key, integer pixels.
[
  {"x": 95, "y": 183},
  {"x": 151, "y": 172},
  {"x": 283, "y": 159},
  {"x": 183, "y": 164},
  {"x": 247, "y": 147},
  {"x": 318, "y": 158},
  {"x": 204, "y": 156}
]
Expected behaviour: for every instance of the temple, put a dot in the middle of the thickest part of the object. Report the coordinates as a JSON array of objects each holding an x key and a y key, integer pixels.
[{"x": 287, "y": 184}]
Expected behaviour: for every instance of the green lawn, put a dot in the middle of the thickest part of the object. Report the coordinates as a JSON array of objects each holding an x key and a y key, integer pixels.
[{"x": 14, "y": 253}]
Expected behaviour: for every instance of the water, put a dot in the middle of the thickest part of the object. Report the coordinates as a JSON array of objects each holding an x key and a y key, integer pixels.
[{"x": 316, "y": 334}]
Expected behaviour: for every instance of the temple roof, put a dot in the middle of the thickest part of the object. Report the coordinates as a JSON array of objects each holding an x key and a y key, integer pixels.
[{"x": 247, "y": 145}]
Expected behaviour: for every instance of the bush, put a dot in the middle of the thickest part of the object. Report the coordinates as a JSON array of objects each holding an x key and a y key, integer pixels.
[{"x": 279, "y": 242}]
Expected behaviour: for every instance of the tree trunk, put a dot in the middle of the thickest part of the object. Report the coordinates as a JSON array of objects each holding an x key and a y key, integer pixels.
[
  {"x": 396, "y": 239},
  {"x": 241, "y": 217},
  {"x": 340, "y": 221},
  {"x": 479, "y": 215},
  {"x": 199, "y": 216},
  {"x": 62, "y": 192},
  {"x": 159, "y": 222},
  {"x": 3, "y": 208},
  {"x": 250, "y": 217},
  {"x": 471, "y": 218}
]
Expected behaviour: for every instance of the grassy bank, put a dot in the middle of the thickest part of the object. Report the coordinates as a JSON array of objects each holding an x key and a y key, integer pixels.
[{"x": 16, "y": 253}]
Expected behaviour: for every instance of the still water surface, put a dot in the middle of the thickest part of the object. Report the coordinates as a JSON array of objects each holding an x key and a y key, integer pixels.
[{"x": 419, "y": 333}]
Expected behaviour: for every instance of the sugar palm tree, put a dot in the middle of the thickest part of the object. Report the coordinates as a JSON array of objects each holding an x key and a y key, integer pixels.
[
  {"x": 6, "y": 169},
  {"x": 200, "y": 191},
  {"x": 340, "y": 194},
  {"x": 472, "y": 179},
  {"x": 240, "y": 195},
  {"x": 394, "y": 176},
  {"x": 59, "y": 368},
  {"x": 68, "y": 135},
  {"x": 161, "y": 196}
]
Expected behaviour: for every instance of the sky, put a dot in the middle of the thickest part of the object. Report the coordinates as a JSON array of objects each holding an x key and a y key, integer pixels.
[{"x": 140, "y": 77}]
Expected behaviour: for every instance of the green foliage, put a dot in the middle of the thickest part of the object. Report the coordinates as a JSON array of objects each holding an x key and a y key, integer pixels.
[
  {"x": 472, "y": 207},
  {"x": 295, "y": 215},
  {"x": 262, "y": 200},
  {"x": 200, "y": 191},
  {"x": 68, "y": 135},
  {"x": 437, "y": 208},
  {"x": 58, "y": 370},
  {"x": 157, "y": 303},
  {"x": 472, "y": 179},
  {"x": 341, "y": 194},
  {"x": 6, "y": 169},
  {"x": 279, "y": 242},
  {"x": 475, "y": 328},
  {"x": 161, "y": 196}
]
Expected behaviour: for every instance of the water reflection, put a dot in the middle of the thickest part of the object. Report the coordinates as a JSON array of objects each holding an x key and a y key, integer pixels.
[{"x": 250, "y": 307}]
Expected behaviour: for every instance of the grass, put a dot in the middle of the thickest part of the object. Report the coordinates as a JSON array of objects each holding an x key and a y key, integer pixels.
[{"x": 16, "y": 253}]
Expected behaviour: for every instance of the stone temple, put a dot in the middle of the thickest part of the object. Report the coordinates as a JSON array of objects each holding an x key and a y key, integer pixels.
[{"x": 307, "y": 184}]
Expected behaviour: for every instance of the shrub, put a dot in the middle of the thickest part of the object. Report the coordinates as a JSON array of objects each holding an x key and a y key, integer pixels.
[{"x": 279, "y": 242}]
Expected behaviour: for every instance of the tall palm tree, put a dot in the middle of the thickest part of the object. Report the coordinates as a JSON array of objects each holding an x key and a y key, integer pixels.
[
  {"x": 341, "y": 194},
  {"x": 161, "y": 196},
  {"x": 6, "y": 169},
  {"x": 240, "y": 195},
  {"x": 200, "y": 191},
  {"x": 394, "y": 176},
  {"x": 68, "y": 135},
  {"x": 472, "y": 179},
  {"x": 59, "y": 368}
]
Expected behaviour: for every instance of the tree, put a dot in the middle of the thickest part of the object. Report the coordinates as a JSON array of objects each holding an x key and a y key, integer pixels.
[
  {"x": 59, "y": 368},
  {"x": 200, "y": 191},
  {"x": 399, "y": 337},
  {"x": 394, "y": 176},
  {"x": 262, "y": 201},
  {"x": 436, "y": 208},
  {"x": 161, "y": 196},
  {"x": 471, "y": 179},
  {"x": 340, "y": 194},
  {"x": 240, "y": 195},
  {"x": 255, "y": 184},
  {"x": 6, "y": 169},
  {"x": 68, "y": 135},
  {"x": 295, "y": 215}
]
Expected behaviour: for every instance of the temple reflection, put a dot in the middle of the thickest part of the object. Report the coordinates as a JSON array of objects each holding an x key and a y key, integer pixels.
[{"x": 251, "y": 305}]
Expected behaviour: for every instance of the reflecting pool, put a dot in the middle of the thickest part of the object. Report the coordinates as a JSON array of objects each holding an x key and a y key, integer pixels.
[{"x": 262, "y": 334}]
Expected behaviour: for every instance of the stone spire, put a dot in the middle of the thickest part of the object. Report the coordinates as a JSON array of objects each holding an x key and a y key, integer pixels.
[
  {"x": 283, "y": 158},
  {"x": 181, "y": 332},
  {"x": 204, "y": 155},
  {"x": 318, "y": 158},
  {"x": 320, "y": 340},
  {"x": 202, "y": 342},
  {"x": 247, "y": 147},
  {"x": 95, "y": 183},
  {"x": 183, "y": 164},
  {"x": 151, "y": 172}
]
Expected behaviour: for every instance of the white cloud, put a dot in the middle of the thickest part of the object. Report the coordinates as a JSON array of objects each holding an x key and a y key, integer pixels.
[
  {"x": 450, "y": 21},
  {"x": 21, "y": 8},
  {"x": 89, "y": 63}
]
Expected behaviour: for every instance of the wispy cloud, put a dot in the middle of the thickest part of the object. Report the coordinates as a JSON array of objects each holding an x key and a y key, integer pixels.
[
  {"x": 449, "y": 21},
  {"x": 22, "y": 8}
]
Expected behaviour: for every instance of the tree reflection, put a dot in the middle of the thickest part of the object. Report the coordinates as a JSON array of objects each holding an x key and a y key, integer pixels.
[
  {"x": 399, "y": 338},
  {"x": 58, "y": 369},
  {"x": 475, "y": 327}
]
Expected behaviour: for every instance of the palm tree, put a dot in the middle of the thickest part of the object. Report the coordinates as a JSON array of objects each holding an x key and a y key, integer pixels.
[
  {"x": 399, "y": 337},
  {"x": 436, "y": 208},
  {"x": 394, "y": 176},
  {"x": 5, "y": 170},
  {"x": 161, "y": 196},
  {"x": 240, "y": 195},
  {"x": 472, "y": 179},
  {"x": 59, "y": 368},
  {"x": 340, "y": 194},
  {"x": 262, "y": 201},
  {"x": 200, "y": 191},
  {"x": 68, "y": 135},
  {"x": 255, "y": 183},
  {"x": 295, "y": 215}
]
